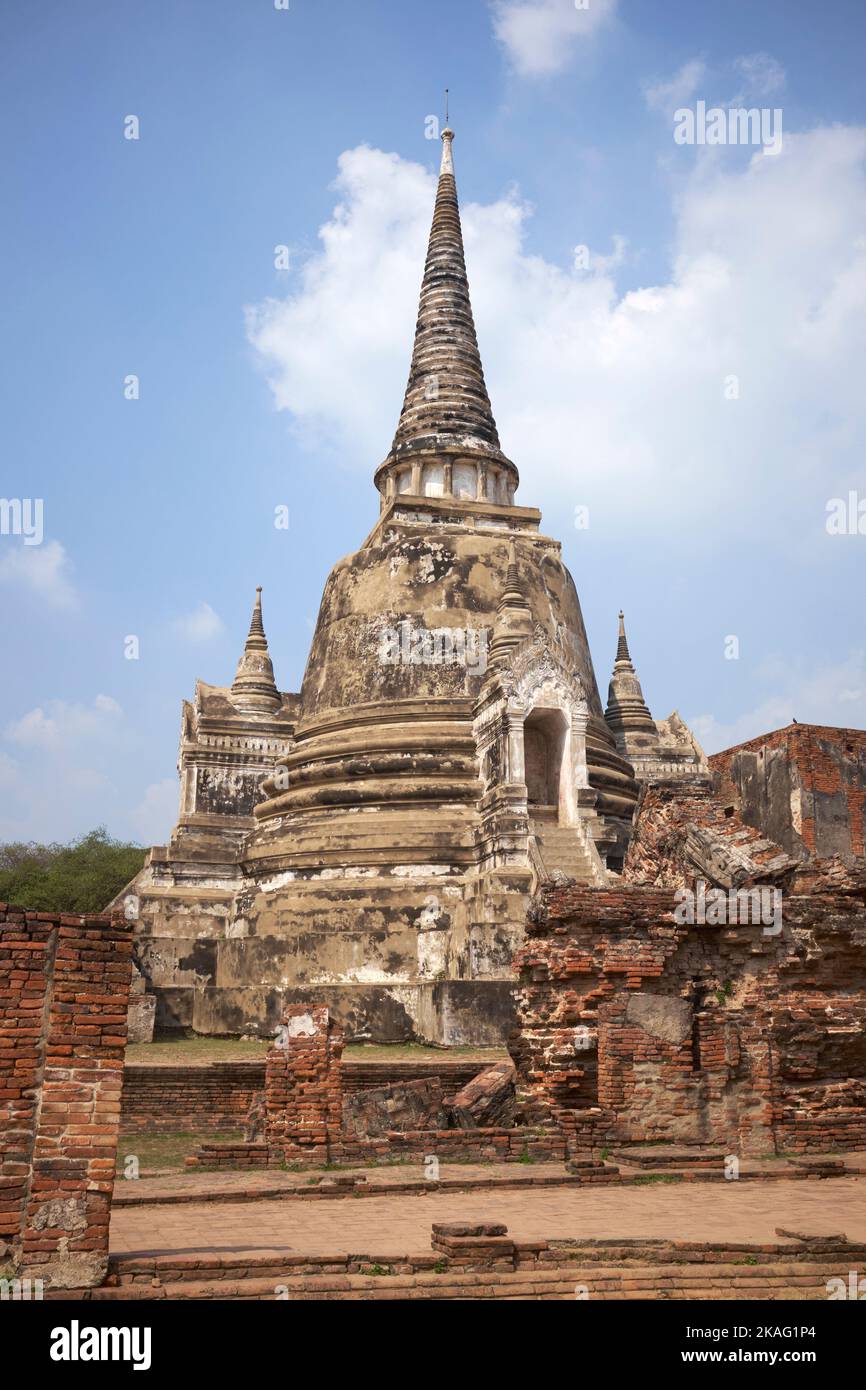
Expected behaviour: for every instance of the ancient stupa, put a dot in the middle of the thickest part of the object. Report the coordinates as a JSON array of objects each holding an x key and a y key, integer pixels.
[{"x": 372, "y": 841}]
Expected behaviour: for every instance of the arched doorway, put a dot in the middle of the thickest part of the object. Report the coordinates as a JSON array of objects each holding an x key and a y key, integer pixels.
[{"x": 544, "y": 732}]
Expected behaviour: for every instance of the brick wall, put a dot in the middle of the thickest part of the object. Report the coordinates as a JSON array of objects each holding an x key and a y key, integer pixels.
[
  {"x": 216, "y": 1097},
  {"x": 804, "y": 785},
  {"x": 633, "y": 1026},
  {"x": 64, "y": 992}
]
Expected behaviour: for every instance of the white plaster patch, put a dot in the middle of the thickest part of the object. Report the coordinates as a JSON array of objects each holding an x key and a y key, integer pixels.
[
  {"x": 301, "y": 1026},
  {"x": 270, "y": 885},
  {"x": 420, "y": 870}
]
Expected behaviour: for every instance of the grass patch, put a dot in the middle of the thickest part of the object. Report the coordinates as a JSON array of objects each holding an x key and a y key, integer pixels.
[
  {"x": 421, "y": 1052},
  {"x": 168, "y": 1150},
  {"x": 180, "y": 1052},
  {"x": 176, "y": 1052}
]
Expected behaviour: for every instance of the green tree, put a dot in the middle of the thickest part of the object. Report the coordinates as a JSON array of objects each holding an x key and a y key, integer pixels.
[{"x": 83, "y": 876}]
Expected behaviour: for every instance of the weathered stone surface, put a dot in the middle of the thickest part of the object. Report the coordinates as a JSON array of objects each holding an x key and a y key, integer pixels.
[
  {"x": 488, "y": 1099},
  {"x": 408, "y": 1105},
  {"x": 255, "y": 1121},
  {"x": 661, "y": 1016},
  {"x": 140, "y": 1018}
]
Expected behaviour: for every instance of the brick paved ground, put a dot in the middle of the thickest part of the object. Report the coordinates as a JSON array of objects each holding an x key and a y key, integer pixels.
[
  {"x": 400, "y": 1224},
  {"x": 200, "y": 1180}
]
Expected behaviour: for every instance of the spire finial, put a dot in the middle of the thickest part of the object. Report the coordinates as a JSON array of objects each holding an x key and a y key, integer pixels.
[
  {"x": 446, "y": 108},
  {"x": 254, "y": 686},
  {"x": 622, "y": 651},
  {"x": 447, "y": 165}
]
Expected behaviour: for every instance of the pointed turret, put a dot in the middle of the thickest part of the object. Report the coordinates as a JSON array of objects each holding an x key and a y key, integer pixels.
[
  {"x": 446, "y": 443},
  {"x": 627, "y": 714},
  {"x": 513, "y": 623},
  {"x": 622, "y": 651},
  {"x": 254, "y": 687}
]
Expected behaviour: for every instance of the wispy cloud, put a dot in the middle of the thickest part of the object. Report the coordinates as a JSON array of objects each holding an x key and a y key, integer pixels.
[
  {"x": 761, "y": 76},
  {"x": 201, "y": 625},
  {"x": 670, "y": 93},
  {"x": 43, "y": 569},
  {"x": 540, "y": 36},
  {"x": 57, "y": 722},
  {"x": 834, "y": 695}
]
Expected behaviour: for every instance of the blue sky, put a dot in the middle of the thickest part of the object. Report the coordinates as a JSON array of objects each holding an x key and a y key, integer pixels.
[{"x": 261, "y": 387}]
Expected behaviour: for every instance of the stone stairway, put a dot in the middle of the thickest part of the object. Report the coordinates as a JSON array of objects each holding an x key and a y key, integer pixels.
[{"x": 561, "y": 847}]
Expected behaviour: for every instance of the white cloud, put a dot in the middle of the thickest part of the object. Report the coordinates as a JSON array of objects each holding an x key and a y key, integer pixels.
[
  {"x": 667, "y": 96},
  {"x": 592, "y": 390},
  {"x": 539, "y": 36},
  {"x": 44, "y": 569},
  {"x": 833, "y": 695},
  {"x": 761, "y": 76},
  {"x": 57, "y": 722},
  {"x": 156, "y": 813},
  {"x": 201, "y": 625}
]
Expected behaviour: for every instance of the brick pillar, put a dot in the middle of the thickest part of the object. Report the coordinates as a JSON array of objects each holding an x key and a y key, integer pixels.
[
  {"x": 759, "y": 1103},
  {"x": 27, "y": 947},
  {"x": 303, "y": 1086},
  {"x": 64, "y": 988}
]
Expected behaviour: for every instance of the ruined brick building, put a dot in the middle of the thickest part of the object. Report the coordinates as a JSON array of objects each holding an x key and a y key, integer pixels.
[{"x": 371, "y": 842}]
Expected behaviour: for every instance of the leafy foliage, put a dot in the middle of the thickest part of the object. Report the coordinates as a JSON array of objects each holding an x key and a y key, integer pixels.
[{"x": 83, "y": 876}]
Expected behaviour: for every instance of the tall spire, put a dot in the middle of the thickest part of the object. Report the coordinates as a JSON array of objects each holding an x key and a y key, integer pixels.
[
  {"x": 254, "y": 687},
  {"x": 622, "y": 652},
  {"x": 627, "y": 713},
  {"x": 446, "y": 409}
]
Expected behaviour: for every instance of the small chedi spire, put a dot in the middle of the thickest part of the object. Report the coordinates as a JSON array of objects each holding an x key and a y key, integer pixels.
[
  {"x": 622, "y": 652},
  {"x": 513, "y": 621},
  {"x": 446, "y": 443},
  {"x": 254, "y": 687},
  {"x": 627, "y": 714}
]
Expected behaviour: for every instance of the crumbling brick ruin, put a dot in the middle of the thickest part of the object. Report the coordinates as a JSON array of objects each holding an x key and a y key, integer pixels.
[
  {"x": 636, "y": 1023},
  {"x": 805, "y": 785},
  {"x": 64, "y": 994},
  {"x": 715, "y": 998}
]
